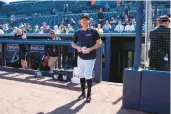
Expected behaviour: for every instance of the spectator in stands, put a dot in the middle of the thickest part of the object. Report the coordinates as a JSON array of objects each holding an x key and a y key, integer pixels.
[
  {"x": 70, "y": 29},
  {"x": 72, "y": 22},
  {"x": 44, "y": 25},
  {"x": 1, "y": 30},
  {"x": 130, "y": 27},
  {"x": 62, "y": 29},
  {"x": 21, "y": 25},
  {"x": 157, "y": 24},
  {"x": 126, "y": 20},
  {"x": 56, "y": 30},
  {"x": 107, "y": 27},
  {"x": 36, "y": 30},
  {"x": 99, "y": 29},
  {"x": 6, "y": 29},
  {"x": 113, "y": 23},
  {"x": 126, "y": 10},
  {"x": 25, "y": 25},
  {"x": 62, "y": 23},
  {"x": 100, "y": 16},
  {"x": 41, "y": 30},
  {"x": 119, "y": 9},
  {"x": 23, "y": 28},
  {"x": 126, "y": 17},
  {"x": 47, "y": 29},
  {"x": 92, "y": 23},
  {"x": 133, "y": 21},
  {"x": 29, "y": 28},
  {"x": 119, "y": 27},
  {"x": 107, "y": 7}
]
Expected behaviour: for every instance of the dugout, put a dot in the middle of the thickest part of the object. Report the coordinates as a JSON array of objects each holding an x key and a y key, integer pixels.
[
  {"x": 117, "y": 53},
  {"x": 36, "y": 51}
]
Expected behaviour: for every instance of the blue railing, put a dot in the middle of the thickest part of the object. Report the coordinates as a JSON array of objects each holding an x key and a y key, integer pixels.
[{"x": 36, "y": 41}]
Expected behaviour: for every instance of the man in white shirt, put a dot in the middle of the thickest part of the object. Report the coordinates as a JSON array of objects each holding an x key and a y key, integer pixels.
[
  {"x": 130, "y": 27},
  {"x": 119, "y": 27}
]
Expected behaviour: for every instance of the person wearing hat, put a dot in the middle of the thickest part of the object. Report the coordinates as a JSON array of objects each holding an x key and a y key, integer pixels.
[
  {"x": 22, "y": 48},
  {"x": 159, "y": 53},
  {"x": 52, "y": 52},
  {"x": 89, "y": 40}
]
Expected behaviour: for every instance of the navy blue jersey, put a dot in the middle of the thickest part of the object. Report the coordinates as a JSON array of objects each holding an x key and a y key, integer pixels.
[{"x": 88, "y": 39}]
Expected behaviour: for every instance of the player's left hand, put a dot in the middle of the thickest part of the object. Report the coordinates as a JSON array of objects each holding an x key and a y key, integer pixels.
[{"x": 87, "y": 51}]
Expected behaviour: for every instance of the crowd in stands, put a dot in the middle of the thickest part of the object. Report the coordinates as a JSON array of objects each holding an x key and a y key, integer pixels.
[
  {"x": 103, "y": 26},
  {"x": 122, "y": 21}
]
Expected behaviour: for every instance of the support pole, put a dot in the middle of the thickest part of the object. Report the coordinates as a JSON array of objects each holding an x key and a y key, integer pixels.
[{"x": 138, "y": 40}]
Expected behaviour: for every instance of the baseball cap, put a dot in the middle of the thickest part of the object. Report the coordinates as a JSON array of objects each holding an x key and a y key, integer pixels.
[
  {"x": 85, "y": 15},
  {"x": 164, "y": 18}
]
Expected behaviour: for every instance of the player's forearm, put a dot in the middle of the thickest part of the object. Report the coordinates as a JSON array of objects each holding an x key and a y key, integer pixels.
[
  {"x": 74, "y": 45},
  {"x": 96, "y": 46}
]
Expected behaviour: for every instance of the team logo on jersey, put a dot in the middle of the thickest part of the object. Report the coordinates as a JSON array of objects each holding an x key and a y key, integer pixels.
[{"x": 88, "y": 34}]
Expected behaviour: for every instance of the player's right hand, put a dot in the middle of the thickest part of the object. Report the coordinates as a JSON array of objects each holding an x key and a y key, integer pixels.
[{"x": 79, "y": 49}]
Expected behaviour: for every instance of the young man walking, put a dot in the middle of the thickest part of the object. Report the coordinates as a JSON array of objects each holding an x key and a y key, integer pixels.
[{"x": 88, "y": 40}]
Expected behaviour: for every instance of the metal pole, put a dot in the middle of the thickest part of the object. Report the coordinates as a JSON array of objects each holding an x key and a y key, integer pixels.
[
  {"x": 148, "y": 25},
  {"x": 146, "y": 30},
  {"x": 138, "y": 40}
]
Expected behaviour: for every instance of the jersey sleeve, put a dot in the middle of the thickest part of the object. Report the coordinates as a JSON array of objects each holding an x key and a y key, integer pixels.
[
  {"x": 97, "y": 36},
  {"x": 75, "y": 37}
]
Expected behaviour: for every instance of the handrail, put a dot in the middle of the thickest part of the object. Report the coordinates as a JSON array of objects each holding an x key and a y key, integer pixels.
[
  {"x": 50, "y": 42},
  {"x": 71, "y": 34}
]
